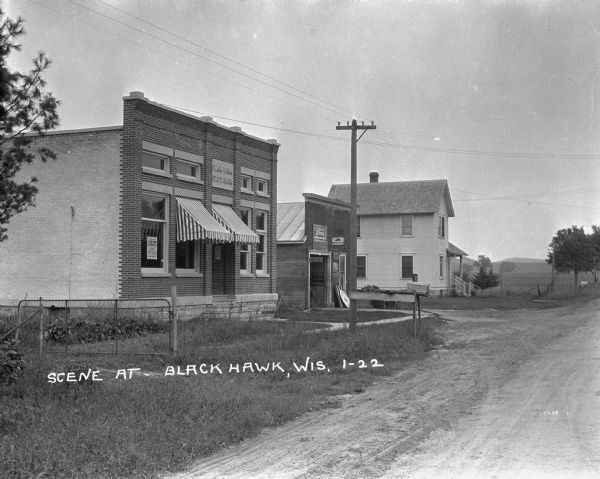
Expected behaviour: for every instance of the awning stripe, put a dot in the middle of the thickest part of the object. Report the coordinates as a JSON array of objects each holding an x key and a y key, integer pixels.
[
  {"x": 194, "y": 222},
  {"x": 234, "y": 224}
]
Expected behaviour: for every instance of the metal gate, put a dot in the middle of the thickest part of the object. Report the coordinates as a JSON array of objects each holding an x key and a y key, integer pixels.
[{"x": 95, "y": 326}]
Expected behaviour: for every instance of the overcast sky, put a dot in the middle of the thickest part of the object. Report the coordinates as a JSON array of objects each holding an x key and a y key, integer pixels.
[{"x": 500, "y": 98}]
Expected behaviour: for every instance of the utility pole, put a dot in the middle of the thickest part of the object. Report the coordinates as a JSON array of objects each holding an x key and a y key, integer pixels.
[{"x": 351, "y": 269}]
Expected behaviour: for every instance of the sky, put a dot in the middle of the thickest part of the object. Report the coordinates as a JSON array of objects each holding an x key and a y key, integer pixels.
[{"x": 501, "y": 98}]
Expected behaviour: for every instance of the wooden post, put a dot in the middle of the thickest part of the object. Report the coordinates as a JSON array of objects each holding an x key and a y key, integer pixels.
[
  {"x": 18, "y": 322},
  {"x": 418, "y": 300},
  {"x": 415, "y": 315},
  {"x": 174, "y": 344},
  {"x": 116, "y": 321},
  {"x": 41, "y": 337}
]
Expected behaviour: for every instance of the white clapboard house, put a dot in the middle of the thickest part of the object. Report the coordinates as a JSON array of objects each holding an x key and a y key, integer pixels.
[{"x": 403, "y": 231}]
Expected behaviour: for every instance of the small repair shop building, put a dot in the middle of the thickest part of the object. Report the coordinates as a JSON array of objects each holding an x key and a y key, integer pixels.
[
  {"x": 312, "y": 241},
  {"x": 122, "y": 206}
]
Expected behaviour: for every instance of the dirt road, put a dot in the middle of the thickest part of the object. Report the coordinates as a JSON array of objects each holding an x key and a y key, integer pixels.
[{"x": 510, "y": 394}]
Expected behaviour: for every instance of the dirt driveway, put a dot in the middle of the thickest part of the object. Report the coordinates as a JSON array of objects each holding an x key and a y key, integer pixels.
[{"x": 510, "y": 394}]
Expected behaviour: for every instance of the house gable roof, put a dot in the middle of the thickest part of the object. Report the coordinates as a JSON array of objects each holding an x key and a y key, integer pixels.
[{"x": 397, "y": 197}]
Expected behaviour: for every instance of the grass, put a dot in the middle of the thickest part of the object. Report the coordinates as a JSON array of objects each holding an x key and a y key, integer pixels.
[
  {"x": 491, "y": 300},
  {"x": 145, "y": 426}
]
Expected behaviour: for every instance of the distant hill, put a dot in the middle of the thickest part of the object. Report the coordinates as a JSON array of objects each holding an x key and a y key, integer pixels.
[
  {"x": 525, "y": 266},
  {"x": 521, "y": 260}
]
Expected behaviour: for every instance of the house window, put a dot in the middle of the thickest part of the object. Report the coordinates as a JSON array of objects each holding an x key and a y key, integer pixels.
[
  {"x": 154, "y": 232},
  {"x": 358, "y": 226},
  {"x": 186, "y": 255},
  {"x": 361, "y": 267},
  {"x": 407, "y": 267},
  {"x": 406, "y": 225},
  {"x": 188, "y": 170},
  {"x": 246, "y": 184},
  {"x": 442, "y": 227},
  {"x": 262, "y": 187},
  {"x": 155, "y": 162},
  {"x": 261, "y": 247},
  {"x": 442, "y": 266}
]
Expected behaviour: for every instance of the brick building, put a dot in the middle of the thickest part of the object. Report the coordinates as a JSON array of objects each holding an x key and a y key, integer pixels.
[
  {"x": 312, "y": 242},
  {"x": 121, "y": 206}
]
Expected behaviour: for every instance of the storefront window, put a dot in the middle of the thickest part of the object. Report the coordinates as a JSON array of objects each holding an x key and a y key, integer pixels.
[
  {"x": 153, "y": 231},
  {"x": 185, "y": 255},
  {"x": 261, "y": 247}
]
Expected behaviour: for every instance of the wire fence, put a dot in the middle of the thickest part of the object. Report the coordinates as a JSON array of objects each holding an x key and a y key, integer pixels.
[{"x": 96, "y": 326}]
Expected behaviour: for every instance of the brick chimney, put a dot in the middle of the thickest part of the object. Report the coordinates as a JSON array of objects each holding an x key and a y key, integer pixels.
[{"x": 374, "y": 177}]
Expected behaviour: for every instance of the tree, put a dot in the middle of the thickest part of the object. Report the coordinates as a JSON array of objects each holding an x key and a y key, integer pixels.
[
  {"x": 572, "y": 250},
  {"x": 486, "y": 278},
  {"x": 483, "y": 262},
  {"x": 25, "y": 107}
]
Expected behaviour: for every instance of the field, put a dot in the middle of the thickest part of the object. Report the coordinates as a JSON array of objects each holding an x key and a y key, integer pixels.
[{"x": 527, "y": 277}]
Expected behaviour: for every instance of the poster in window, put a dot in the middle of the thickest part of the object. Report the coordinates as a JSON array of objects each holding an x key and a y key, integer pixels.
[
  {"x": 151, "y": 247},
  {"x": 319, "y": 237}
]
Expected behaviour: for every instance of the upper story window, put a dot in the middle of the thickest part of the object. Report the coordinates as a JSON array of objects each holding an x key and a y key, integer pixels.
[
  {"x": 187, "y": 170},
  {"x": 155, "y": 162},
  {"x": 442, "y": 227},
  {"x": 246, "y": 183},
  {"x": 406, "y": 225},
  {"x": 262, "y": 187}
]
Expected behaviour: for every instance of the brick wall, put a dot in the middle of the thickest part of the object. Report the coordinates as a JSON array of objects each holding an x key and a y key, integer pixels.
[
  {"x": 67, "y": 245},
  {"x": 147, "y": 121}
]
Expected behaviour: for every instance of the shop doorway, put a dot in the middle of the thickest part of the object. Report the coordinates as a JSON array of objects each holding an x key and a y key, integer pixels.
[
  {"x": 222, "y": 268},
  {"x": 319, "y": 286}
]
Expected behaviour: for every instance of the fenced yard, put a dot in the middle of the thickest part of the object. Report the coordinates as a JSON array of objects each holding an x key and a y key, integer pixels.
[{"x": 98, "y": 326}]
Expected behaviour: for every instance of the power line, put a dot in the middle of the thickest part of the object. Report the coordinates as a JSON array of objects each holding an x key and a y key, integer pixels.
[
  {"x": 253, "y": 70},
  {"x": 177, "y": 60},
  {"x": 172, "y": 44},
  {"x": 406, "y": 147}
]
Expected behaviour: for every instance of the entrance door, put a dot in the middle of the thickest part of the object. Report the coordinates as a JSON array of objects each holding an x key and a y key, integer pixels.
[
  {"x": 320, "y": 281},
  {"x": 219, "y": 254}
]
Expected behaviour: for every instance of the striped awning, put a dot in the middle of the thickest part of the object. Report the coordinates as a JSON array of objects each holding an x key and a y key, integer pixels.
[
  {"x": 194, "y": 222},
  {"x": 234, "y": 224}
]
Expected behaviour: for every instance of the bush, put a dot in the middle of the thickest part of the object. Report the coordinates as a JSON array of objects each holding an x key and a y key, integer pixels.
[
  {"x": 11, "y": 361},
  {"x": 59, "y": 331}
]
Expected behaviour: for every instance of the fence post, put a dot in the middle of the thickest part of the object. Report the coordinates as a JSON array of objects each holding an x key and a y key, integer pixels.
[
  {"x": 174, "y": 320},
  {"x": 41, "y": 338},
  {"x": 67, "y": 324},
  {"x": 117, "y": 323},
  {"x": 18, "y": 321}
]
